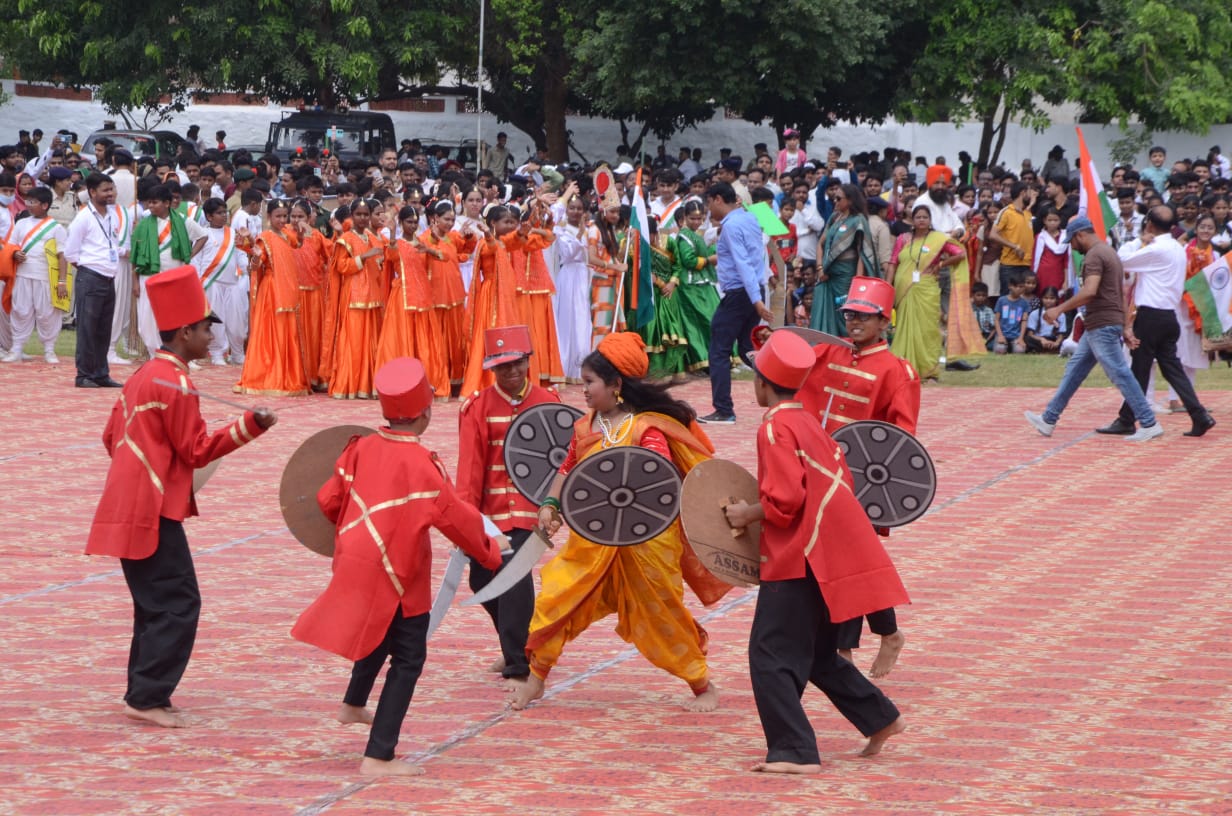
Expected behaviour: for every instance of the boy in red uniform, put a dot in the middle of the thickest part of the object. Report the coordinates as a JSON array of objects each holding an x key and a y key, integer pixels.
[
  {"x": 867, "y": 383},
  {"x": 386, "y": 492},
  {"x": 156, "y": 438},
  {"x": 483, "y": 482},
  {"x": 821, "y": 562}
]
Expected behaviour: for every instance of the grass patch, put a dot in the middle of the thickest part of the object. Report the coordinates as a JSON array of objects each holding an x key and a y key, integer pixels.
[{"x": 1045, "y": 370}]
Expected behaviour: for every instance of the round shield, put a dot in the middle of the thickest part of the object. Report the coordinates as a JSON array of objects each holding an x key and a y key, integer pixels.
[
  {"x": 536, "y": 446},
  {"x": 894, "y": 477},
  {"x": 817, "y": 338},
  {"x": 729, "y": 554},
  {"x": 202, "y": 475},
  {"x": 621, "y": 496},
  {"x": 306, "y": 472}
]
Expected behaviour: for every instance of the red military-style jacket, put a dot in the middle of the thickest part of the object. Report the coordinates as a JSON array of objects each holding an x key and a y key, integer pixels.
[
  {"x": 386, "y": 493},
  {"x": 483, "y": 422},
  {"x": 868, "y": 384},
  {"x": 156, "y": 438},
  {"x": 812, "y": 515}
]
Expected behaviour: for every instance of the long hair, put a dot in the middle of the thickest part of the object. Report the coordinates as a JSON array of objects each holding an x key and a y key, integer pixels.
[
  {"x": 856, "y": 202},
  {"x": 638, "y": 394}
]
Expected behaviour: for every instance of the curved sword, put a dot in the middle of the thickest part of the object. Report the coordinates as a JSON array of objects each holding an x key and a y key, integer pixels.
[
  {"x": 453, "y": 576},
  {"x": 519, "y": 567}
]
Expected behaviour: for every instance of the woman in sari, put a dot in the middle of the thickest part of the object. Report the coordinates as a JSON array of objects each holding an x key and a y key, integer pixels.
[
  {"x": 573, "y": 323},
  {"x": 274, "y": 364},
  {"x": 535, "y": 289},
  {"x": 918, "y": 256},
  {"x": 846, "y": 250},
  {"x": 311, "y": 256},
  {"x": 492, "y": 295},
  {"x": 642, "y": 584},
  {"x": 407, "y": 328},
  {"x": 607, "y": 267},
  {"x": 353, "y": 314},
  {"x": 694, "y": 262},
  {"x": 445, "y": 247}
]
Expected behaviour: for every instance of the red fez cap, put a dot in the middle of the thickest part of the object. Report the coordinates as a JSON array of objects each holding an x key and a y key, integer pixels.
[
  {"x": 505, "y": 345},
  {"x": 785, "y": 360},
  {"x": 938, "y": 171},
  {"x": 869, "y": 295},
  {"x": 177, "y": 299},
  {"x": 402, "y": 384}
]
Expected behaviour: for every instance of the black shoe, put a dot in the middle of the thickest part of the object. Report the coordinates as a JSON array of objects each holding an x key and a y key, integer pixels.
[
  {"x": 1202, "y": 423},
  {"x": 107, "y": 382},
  {"x": 961, "y": 365},
  {"x": 87, "y": 384},
  {"x": 1117, "y": 428},
  {"x": 718, "y": 419}
]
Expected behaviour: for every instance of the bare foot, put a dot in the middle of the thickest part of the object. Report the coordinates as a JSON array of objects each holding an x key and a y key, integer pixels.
[
  {"x": 157, "y": 716},
  {"x": 887, "y": 655},
  {"x": 513, "y": 684},
  {"x": 708, "y": 700},
  {"x": 876, "y": 741},
  {"x": 526, "y": 693},
  {"x": 786, "y": 768},
  {"x": 497, "y": 666},
  {"x": 846, "y": 655},
  {"x": 174, "y": 709},
  {"x": 374, "y": 768},
  {"x": 348, "y": 714}
]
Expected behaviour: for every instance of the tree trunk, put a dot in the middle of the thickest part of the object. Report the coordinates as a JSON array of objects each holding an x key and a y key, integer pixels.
[
  {"x": 1002, "y": 128},
  {"x": 986, "y": 139},
  {"x": 555, "y": 109}
]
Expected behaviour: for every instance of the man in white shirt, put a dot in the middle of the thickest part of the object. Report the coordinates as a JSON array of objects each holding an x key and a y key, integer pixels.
[
  {"x": 1157, "y": 262},
  {"x": 92, "y": 247},
  {"x": 938, "y": 201}
]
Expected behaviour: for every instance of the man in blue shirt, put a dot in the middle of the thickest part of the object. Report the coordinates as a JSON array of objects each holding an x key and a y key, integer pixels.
[{"x": 741, "y": 264}]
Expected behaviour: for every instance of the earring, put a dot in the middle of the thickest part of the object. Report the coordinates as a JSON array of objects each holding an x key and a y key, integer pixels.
[{"x": 618, "y": 396}]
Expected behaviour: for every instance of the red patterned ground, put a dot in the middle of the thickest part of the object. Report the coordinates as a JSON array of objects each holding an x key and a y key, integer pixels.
[{"x": 1065, "y": 649}]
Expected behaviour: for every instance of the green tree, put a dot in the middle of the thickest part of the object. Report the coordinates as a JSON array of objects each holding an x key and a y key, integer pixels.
[
  {"x": 1167, "y": 65},
  {"x": 988, "y": 61}
]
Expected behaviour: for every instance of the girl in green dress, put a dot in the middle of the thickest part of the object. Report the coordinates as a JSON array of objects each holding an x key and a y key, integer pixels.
[
  {"x": 698, "y": 292},
  {"x": 664, "y": 336}
]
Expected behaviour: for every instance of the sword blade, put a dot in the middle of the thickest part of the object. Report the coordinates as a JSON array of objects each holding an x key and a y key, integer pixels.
[
  {"x": 519, "y": 567},
  {"x": 183, "y": 389},
  {"x": 449, "y": 588}
]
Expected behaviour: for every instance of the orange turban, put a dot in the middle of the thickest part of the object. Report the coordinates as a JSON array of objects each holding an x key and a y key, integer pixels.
[
  {"x": 938, "y": 171},
  {"x": 627, "y": 352}
]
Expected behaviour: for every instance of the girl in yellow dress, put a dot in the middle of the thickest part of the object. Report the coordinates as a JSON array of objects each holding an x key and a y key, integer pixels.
[{"x": 643, "y": 584}]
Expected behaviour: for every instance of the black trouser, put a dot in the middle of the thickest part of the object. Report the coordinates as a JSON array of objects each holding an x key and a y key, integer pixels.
[
  {"x": 406, "y": 644},
  {"x": 95, "y": 308},
  {"x": 883, "y": 622},
  {"x": 1157, "y": 331},
  {"x": 166, "y": 606},
  {"x": 792, "y": 643},
  {"x": 1034, "y": 344},
  {"x": 510, "y": 612},
  {"x": 732, "y": 324}
]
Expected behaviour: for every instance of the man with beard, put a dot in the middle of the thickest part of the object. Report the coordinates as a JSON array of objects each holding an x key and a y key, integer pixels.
[
  {"x": 1055, "y": 200},
  {"x": 945, "y": 219}
]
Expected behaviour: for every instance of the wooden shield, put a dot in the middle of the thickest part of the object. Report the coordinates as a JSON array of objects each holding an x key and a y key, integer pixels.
[
  {"x": 202, "y": 474},
  {"x": 621, "y": 496},
  {"x": 536, "y": 446},
  {"x": 306, "y": 472},
  {"x": 817, "y": 338},
  {"x": 894, "y": 476},
  {"x": 730, "y": 555}
]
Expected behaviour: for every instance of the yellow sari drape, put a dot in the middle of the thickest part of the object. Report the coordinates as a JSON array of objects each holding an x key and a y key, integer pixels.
[{"x": 642, "y": 584}]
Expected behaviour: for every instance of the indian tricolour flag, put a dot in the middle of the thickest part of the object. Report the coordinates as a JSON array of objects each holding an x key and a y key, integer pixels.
[
  {"x": 639, "y": 299},
  {"x": 1092, "y": 199},
  {"x": 1211, "y": 290}
]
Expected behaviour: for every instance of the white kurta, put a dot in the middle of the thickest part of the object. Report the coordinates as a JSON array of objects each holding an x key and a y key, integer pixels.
[{"x": 573, "y": 319}]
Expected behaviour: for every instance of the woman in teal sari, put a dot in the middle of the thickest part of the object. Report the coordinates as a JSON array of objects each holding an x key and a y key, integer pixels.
[
  {"x": 846, "y": 250},
  {"x": 693, "y": 261},
  {"x": 917, "y": 258}
]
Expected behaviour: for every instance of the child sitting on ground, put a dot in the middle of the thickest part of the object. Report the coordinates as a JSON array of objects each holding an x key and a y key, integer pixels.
[
  {"x": 1042, "y": 336},
  {"x": 984, "y": 315}
]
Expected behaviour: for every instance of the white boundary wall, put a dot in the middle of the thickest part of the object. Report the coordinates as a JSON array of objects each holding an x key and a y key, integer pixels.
[{"x": 597, "y": 138}]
